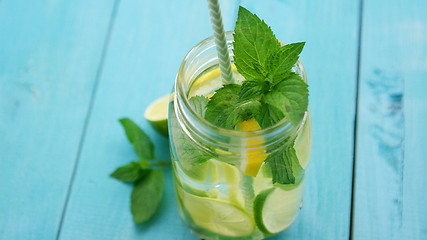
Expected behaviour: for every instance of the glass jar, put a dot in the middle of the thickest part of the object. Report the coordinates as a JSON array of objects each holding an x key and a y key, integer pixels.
[{"x": 223, "y": 186}]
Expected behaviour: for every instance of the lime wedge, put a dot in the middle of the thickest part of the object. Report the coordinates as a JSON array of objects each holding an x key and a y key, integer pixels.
[
  {"x": 157, "y": 114},
  {"x": 218, "y": 216},
  {"x": 275, "y": 209}
]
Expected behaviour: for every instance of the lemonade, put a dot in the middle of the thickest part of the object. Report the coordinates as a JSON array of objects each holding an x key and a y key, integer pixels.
[
  {"x": 224, "y": 188},
  {"x": 240, "y": 132}
]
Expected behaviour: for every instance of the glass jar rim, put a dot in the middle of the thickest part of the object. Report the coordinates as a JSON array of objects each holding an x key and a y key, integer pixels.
[{"x": 283, "y": 128}]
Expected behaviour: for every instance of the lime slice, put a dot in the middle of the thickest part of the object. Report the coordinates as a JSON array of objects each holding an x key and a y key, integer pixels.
[
  {"x": 197, "y": 172},
  {"x": 217, "y": 216},
  {"x": 157, "y": 114},
  {"x": 275, "y": 209},
  {"x": 224, "y": 173},
  {"x": 303, "y": 144},
  {"x": 187, "y": 187}
]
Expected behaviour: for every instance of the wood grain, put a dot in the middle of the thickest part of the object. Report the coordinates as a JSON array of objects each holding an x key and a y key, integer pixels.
[
  {"x": 49, "y": 55},
  {"x": 64, "y": 84},
  {"x": 148, "y": 42},
  {"x": 390, "y": 190}
]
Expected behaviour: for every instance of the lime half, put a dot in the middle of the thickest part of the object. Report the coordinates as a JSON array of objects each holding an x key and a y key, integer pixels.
[
  {"x": 275, "y": 209},
  {"x": 218, "y": 216},
  {"x": 157, "y": 114}
]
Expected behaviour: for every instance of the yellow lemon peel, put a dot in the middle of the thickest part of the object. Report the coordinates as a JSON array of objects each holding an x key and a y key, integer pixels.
[{"x": 256, "y": 154}]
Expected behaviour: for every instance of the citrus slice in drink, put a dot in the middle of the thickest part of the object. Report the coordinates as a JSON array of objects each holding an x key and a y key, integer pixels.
[
  {"x": 275, "y": 209},
  {"x": 255, "y": 154},
  {"x": 197, "y": 172},
  {"x": 157, "y": 115},
  {"x": 228, "y": 175},
  {"x": 208, "y": 81},
  {"x": 303, "y": 143},
  {"x": 217, "y": 216}
]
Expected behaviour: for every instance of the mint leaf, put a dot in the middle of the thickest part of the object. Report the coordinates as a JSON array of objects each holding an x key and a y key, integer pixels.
[
  {"x": 144, "y": 163},
  {"x": 225, "y": 110},
  {"x": 269, "y": 115},
  {"x": 198, "y": 103},
  {"x": 139, "y": 139},
  {"x": 252, "y": 89},
  {"x": 189, "y": 152},
  {"x": 130, "y": 172},
  {"x": 261, "y": 70},
  {"x": 221, "y": 104},
  {"x": 280, "y": 62},
  {"x": 290, "y": 97},
  {"x": 285, "y": 166},
  {"x": 146, "y": 196},
  {"x": 253, "y": 42},
  {"x": 241, "y": 111}
]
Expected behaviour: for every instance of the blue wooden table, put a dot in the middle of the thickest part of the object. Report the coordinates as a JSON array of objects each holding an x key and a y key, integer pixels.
[{"x": 70, "y": 69}]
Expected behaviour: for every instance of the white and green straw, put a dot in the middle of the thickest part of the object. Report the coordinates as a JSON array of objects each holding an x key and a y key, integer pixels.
[{"x": 220, "y": 41}]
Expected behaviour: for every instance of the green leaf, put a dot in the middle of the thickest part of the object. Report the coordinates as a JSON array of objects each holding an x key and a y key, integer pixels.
[
  {"x": 221, "y": 104},
  {"x": 225, "y": 110},
  {"x": 146, "y": 196},
  {"x": 262, "y": 72},
  {"x": 269, "y": 115},
  {"x": 252, "y": 89},
  {"x": 144, "y": 163},
  {"x": 285, "y": 166},
  {"x": 139, "y": 139},
  {"x": 130, "y": 172},
  {"x": 290, "y": 96},
  {"x": 280, "y": 62},
  {"x": 242, "y": 111},
  {"x": 199, "y": 104},
  {"x": 253, "y": 42},
  {"x": 188, "y": 151}
]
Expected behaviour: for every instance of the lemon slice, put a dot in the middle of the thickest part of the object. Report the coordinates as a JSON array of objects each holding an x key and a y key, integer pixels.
[
  {"x": 211, "y": 80},
  {"x": 217, "y": 216},
  {"x": 157, "y": 115},
  {"x": 254, "y": 156},
  {"x": 275, "y": 209}
]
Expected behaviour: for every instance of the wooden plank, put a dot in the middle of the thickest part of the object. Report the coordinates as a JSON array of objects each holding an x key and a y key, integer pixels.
[
  {"x": 390, "y": 190},
  {"x": 330, "y": 29},
  {"x": 148, "y": 43},
  {"x": 49, "y": 54}
]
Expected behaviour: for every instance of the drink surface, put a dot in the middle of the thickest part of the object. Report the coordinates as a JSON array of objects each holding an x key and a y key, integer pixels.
[{"x": 217, "y": 198}]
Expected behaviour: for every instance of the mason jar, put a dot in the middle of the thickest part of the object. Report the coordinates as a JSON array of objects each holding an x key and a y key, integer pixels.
[{"x": 223, "y": 186}]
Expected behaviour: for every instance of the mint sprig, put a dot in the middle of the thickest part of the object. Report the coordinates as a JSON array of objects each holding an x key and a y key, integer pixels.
[
  {"x": 140, "y": 141},
  {"x": 130, "y": 172},
  {"x": 147, "y": 177},
  {"x": 226, "y": 109},
  {"x": 146, "y": 196},
  {"x": 285, "y": 166},
  {"x": 187, "y": 150},
  {"x": 270, "y": 93},
  {"x": 252, "y": 89},
  {"x": 280, "y": 62},
  {"x": 198, "y": 103},
  {"x": 290, "y": 97},
  {"x": 253, "y": 42},
  {"x": 269, "y": 115}
]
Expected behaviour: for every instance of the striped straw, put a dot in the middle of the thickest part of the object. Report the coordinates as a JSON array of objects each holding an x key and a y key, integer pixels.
[{"x": 220, "y": 42}]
